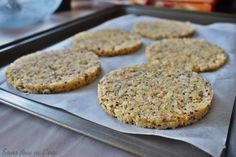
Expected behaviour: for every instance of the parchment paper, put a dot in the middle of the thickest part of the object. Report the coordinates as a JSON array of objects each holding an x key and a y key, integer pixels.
[{"x": 209, "y": 134}]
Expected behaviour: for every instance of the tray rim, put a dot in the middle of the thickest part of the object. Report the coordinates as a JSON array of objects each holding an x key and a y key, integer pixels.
[{"x": 122, "y": 7}]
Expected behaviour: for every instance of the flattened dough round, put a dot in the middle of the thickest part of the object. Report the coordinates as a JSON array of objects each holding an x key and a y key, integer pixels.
[
  {"x": 107, "y": 42},
  {"x": 202, "y": 55},
  {"x": 153, "y": 96},
  {"x": 53, "y": 71},
  {"x": 174, "y": 60},
  {"x": 163, "y": 29}
]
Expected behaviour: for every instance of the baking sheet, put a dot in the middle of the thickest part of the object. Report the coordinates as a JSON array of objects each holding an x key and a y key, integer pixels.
[{"x": 209, "y": 134}]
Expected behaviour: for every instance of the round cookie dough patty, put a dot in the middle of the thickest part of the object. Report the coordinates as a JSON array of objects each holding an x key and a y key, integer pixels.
[
  {"x": 107, "y": 42},
  {"x": 53, "y": 71},
  {"x": 202, "y": 55},
  {"x": 153, "y": 96},
  {"x": 163, "y": 29}
]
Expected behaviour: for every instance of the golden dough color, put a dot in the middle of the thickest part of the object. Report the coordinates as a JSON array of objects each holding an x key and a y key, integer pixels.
[
  {"x": 53, "y": 71},
  {"x": 163, "y": 29},
  {"x": 107, "y": 42},
  {"x": 202, "y": 55},
  {"x": 153, "y": 96}
]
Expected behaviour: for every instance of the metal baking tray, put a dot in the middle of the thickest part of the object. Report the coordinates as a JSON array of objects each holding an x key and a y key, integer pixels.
[{"x": 141, "y": 145}]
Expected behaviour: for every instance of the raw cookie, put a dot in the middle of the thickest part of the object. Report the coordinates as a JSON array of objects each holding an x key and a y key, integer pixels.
[
  {"x": 53, "y": 71},
  {"x": 163, "y": 29},
  {"x": 107, "y": 42},
  {"x": 202, "y": 55},
  {"x": 153, "y": 96}
]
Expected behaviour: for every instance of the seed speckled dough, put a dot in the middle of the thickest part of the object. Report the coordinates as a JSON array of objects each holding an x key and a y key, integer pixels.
[
  {"x": 107, "y": 42},
  {"x": 203, "y": 55},
  {"x": 154, "y": 96},
  {"x": 53, "y": 71},
  {"x": 163, "y": 29},
  {"x": 174, "y": 60}
]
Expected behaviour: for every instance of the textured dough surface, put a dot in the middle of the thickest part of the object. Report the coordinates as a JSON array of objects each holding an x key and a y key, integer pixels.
[
  {"x": 203, "y": 55},
  {"x": 53, "y": 71},
  {"x": 174, "y": 60},
  {"x": 153, "y": 96},
  {"x": 163, "y": 29},
  {"x": 107, "y": 42}
]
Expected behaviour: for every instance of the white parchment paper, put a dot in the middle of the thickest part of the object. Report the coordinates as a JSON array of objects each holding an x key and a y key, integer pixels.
[{"x": 209, "y": 134}]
